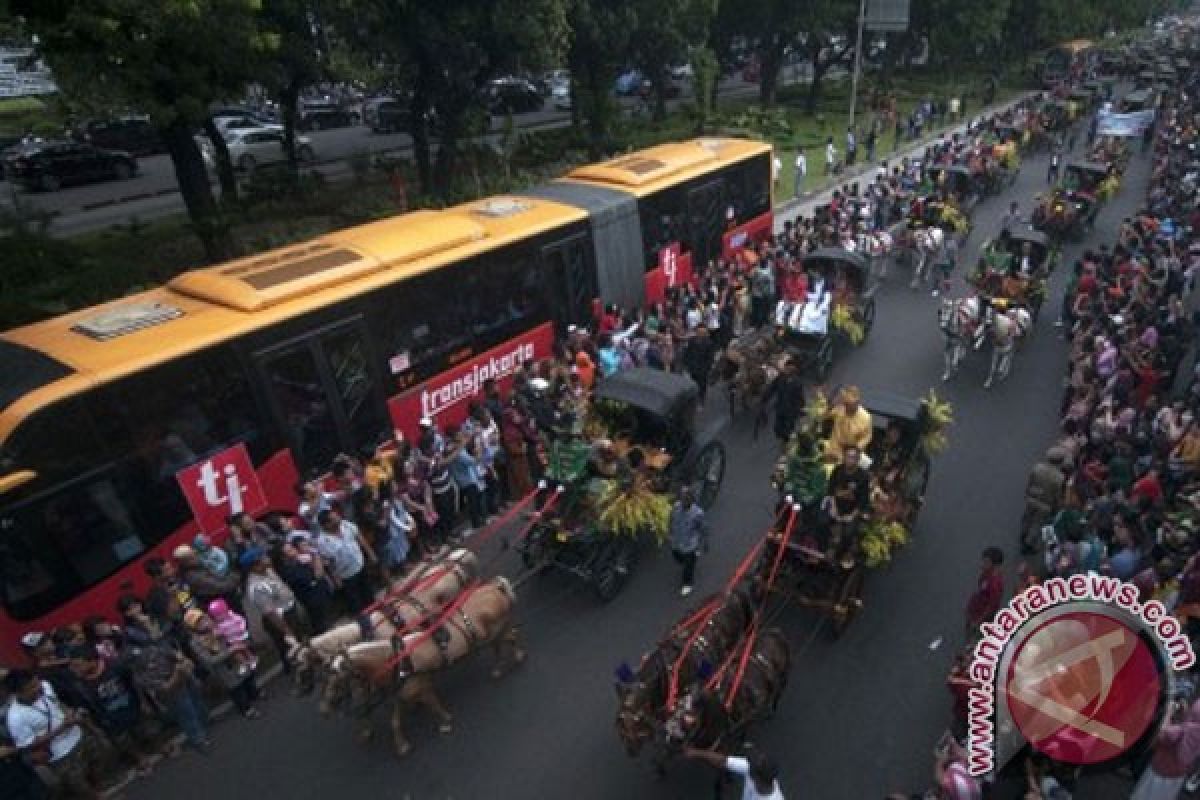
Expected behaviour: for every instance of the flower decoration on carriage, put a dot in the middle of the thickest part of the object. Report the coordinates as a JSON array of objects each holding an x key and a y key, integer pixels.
[{"x": 939, "y": 416}]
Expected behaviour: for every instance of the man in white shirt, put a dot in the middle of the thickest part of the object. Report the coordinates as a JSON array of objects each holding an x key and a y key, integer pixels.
[
  {"x": 50, "y": 733},
  {"x": 347, "y": 552},
  {"x": 830, "y": 156},
  {"x": 801, "y": 171},
  {"x": 776, "y": 170},
  {"x": 758, "y": 770}
]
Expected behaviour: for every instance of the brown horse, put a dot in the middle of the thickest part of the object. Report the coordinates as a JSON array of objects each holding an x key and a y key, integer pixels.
[
  {"x": 423, "y": 592},
  {"x": 642, "y": 696},
  {"x": 747, "y": 367},
  {"x": 365, "y": 675}
]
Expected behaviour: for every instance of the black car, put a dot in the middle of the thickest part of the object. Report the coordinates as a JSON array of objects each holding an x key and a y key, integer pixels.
[
  {"x": 131, "y": 134},
  {"x": 49, "y": 165},
  {"x": 513, "y": 97},
  {"x": 322, "y": 116}
]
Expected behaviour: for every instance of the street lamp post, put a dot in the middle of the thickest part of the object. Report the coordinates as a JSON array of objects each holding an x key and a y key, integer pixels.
[{"x": 862, "y": 16}]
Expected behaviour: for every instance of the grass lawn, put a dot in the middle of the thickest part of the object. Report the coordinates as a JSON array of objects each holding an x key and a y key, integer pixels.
[{"x": 790, "y": 126}]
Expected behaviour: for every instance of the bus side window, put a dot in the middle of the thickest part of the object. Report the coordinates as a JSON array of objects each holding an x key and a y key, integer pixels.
[
  {"x": 176, "y": 415},
  {"x": 61, "y": 543}
]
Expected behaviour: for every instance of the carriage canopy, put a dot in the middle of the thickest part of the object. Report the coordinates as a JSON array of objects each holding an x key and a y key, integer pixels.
[{"x": 854, "y": 265}]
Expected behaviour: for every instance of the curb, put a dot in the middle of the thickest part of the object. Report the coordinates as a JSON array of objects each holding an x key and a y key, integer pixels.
[{"x": 810, "y": 200}]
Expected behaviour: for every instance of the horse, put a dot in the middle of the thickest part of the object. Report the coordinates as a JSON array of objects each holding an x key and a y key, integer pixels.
[
  {"x": 682, "y": 657},
  {"x": 751, "y": 684},
  {"x": 878, "y": 247},
  {"x": 1007, "y": 330},
  {"x": 747, "y": 372},
  {"x": 923, "y": 247},
  {"x": 431, "y": 585},
  {"x": 365, "y": 675},
  {"x": 963, "y": 322}
]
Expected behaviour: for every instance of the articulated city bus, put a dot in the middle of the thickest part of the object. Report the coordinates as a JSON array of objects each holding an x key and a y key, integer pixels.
[{"x": 128, "y": 428}]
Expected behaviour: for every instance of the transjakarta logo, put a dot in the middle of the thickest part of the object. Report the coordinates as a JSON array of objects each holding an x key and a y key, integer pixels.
[
  {"x": 467, "y": 385},
  {"x": 1077, "y": 667}
]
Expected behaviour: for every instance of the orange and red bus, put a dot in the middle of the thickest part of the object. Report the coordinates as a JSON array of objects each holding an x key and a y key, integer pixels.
[{"x": 128, "y": 428}]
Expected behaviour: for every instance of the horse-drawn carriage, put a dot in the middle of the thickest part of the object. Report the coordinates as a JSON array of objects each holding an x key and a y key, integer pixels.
[
  {"x": 1097, "y": 178},
  {"x": 1015, "y": 266},
  {"x": 932, "y": 212},
  {"x": 958, "y": 182},
  {"x": 811, "y": 569},
  {"x": 1085, "y": 99},
  {"x": 614, "y": 491},
  {"x": 1064, "y": 214},
  {"x": 841, "y": 305},
  {"x": 1057, "y": 115}
]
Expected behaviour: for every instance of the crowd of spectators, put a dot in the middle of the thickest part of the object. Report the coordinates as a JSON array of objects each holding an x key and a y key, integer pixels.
[{"x": 1118, "y": 492}]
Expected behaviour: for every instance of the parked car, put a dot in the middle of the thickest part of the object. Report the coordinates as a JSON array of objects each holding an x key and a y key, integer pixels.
[
  {"x": 49, "y": 165},
  {"x": 251, "y": 149},
  {"x": 322, "y": 116},
  {"x": 682, "y": 72},
  {"x": 131, "y": 134},
  {"x": 234, "y": 124},
  {"x": 673, "y": 89},
  {"x": 560, "y": 97},
  {"x": 513, "y": 96},
  {"x": 628, "y": 83}
]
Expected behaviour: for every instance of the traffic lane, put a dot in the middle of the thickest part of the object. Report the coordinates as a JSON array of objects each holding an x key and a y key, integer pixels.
[
  {"x": 870, "y": 707},
  {"x": 156, "y": 173}
]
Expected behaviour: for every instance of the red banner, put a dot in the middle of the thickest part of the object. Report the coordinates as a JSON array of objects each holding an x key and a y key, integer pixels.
[
  {"x": 221, "y": 485},
  {"x": 444, "y": 398},
  {"x": 674, "y": 269},
  {"x": 748, "y": 233}
]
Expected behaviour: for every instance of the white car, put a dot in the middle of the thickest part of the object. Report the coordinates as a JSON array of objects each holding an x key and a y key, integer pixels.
[
  {"x": 682, "y": 72},
  {"x": 560, "y": 96},
  {"x": 250, "y": 149},
  {"x": 229, "y": 124}
]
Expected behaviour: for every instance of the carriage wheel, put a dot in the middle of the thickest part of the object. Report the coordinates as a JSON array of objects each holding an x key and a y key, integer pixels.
[
  {"x": 868, "y": 317},
  {"x": 707, "y": 474},
  {"x": 849, "y": 602},
  {"x": 615, "y": 568},
  {"x": 533, "y": 549},
  {"x": 824, "y": 360}
]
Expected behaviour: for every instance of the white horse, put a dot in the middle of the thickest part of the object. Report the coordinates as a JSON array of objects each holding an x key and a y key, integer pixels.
[
  {"x": 1007, "y": 329},
  {"x": 924, "y": 248},
  {"x": 878, "y": 247},
  {"x": 964, "y": 322}
]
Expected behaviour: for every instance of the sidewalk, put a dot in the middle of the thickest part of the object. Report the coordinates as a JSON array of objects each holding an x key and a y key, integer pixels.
[{"x": 805, "y": 205}]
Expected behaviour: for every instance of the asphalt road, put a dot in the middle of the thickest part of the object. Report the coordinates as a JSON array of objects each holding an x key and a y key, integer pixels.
[
  {"x": 154, "y": 192},
  {"x": 860, "y": 715}
]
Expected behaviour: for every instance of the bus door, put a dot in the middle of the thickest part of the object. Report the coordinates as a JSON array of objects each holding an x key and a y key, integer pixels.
[
  {"x": 571, "y": 276},
  {"x": 706, "y": 221},
  {"x": 324, "y": 390}
]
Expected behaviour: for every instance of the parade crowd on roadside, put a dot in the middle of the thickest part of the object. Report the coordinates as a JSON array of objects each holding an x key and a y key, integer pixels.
[
  {"x": 102, "y": 701},
  {"x": 1118, "y": 491}
]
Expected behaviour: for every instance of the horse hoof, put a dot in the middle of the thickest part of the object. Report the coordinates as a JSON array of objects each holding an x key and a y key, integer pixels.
[
  {"x": 497, "y": 673},
  {"x": 946, "y": 377},
  {"x": 403, "y": 750},
  {"x": 446, "y": 728},
  {"x": 365, "y": 738},
  {"x": 519, "y": 656}
]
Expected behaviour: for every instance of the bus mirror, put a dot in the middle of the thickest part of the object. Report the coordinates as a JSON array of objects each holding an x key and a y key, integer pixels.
[{"x": 15, "y": 480}]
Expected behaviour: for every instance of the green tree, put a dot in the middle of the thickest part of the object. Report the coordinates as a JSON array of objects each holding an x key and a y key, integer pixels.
[
  {"x": 664, "y": 33},
  {"x": 294, "y": 29},
  {"x": 171, "y": 59},
  {"x": 451, "y": 49},
  {"x": 601, "y": 32},
  {"x": 831, "y": 31}
]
